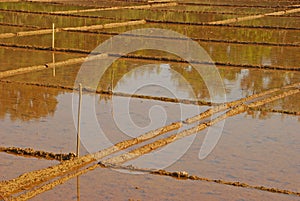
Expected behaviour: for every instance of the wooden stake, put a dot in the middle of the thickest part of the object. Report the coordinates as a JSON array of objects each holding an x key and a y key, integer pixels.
[
  {"x": 53, "y": 31},
  {"x": 78, "y": 122}
]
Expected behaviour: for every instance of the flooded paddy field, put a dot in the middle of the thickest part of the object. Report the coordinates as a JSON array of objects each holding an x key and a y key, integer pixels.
[
  {"x": 45, "y": 21},
  {"x": 13, "y": 29},
  {"x": 16, "y": 58},
  {"x": 289, "y": 22},
  {"x": 155, "y": 125}
]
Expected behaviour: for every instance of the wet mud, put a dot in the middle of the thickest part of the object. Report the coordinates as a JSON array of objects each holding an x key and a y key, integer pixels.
[{"x": 39, "y": 154}]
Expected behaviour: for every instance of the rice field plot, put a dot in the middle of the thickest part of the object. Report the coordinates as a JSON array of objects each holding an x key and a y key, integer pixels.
[
  {"x": 10, "y": 164},
  {"x": 98, "y": 183},
  {"x": 14, "y": 29},
  {"x": 37, "y": 6},
  {"x": 102, "y": 3},
  {"x": 46, "y": 21},
  {"x": 238, "y": 82},
  {"x": 64, "y": 40},
  {"x": 217, "y": 9},
  {"x": 238, "y": 53},
  {"x": 155, "y": 15},
  {"x": 288, "y": 22},
  {"x": 155, "y": 112},
  {"x": 242, "y": 3},
  {"x": 219, "y": 33},
  {"x": 19, "y": 58}
]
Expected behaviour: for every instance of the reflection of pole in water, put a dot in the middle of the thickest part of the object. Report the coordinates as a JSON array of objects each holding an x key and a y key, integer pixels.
[
  {"x": 112, "y": 80},
  {"x": 111, "y": 90},
  {"x": 78, "y": 189},
  {"x": 53, "y": 62}
]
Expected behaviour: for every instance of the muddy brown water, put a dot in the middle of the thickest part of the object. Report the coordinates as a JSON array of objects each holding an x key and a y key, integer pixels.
[
  {"x": 11, "y": 29},
  {"x": 98, "y": 185},
  {"x": 18, "y": 58},
  {"x": 238, "y": 82},
  {"x": 195, "y": 32},
  {"x": 160, "y": 15},
  {"x": 37, "y": 6},
  {"x": 41, "y": 109},
  {"x": 289, "y": 22},
  {"x": 245, "y": 138},
  {"x": 13, "y": 166},
  {"x": 45, "y": 21},
  {"x": 256, "y": 147},
  {"x": 222, "y": 33},
  {"x": 236, "y": 10},
  {"x": 251, "y": 54}
]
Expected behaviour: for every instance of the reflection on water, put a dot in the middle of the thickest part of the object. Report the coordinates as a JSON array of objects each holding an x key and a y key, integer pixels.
[
  {"x": 62, "y": 40},
  {"x": 219, "y": 52},
  {"x": 273, "y": 21},
  {"x": 161, "y": 15},
  {"x": 124, "y": 73},
  {"x": 21, "y": 102},
  {"x": 46, "y": 21},
  {"x": 10, "y": 165},
  {"x": 10, "y": 29},
  {"x": 36, "y": 6},
  {"x": 158, "y": 80},
  {"x": 236, "y": 10},
  {"x": 19, "y": 58}
]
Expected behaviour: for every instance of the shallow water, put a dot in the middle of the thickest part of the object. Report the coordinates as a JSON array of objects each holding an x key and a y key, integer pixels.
[
  {"x": 244, "y": 2},
  {"x": 222, "y": 9},
  {"x": 260, "y": 55},
  {"x": 287, "y": 22},
  {"x": 45, "y": 21},
  {"x": 250, "y": 136},
  {"x": 124, "y": 73},
  {"x": 97, "y": 185},
  {"x": 68, "y": 40},
  {"x": 222, "y": 33},
  {"x": 101, "y": 3},
  {"x": 252, "y": 149},
  {"x": 37, "y": 6},
  {"x": 12, "y": 166},
  {"x": 11, "y": 29},
  {"x": 75, "y": 39},
  {"x": 258, "y": 148},
  {"x": 19, "y": 58},
  {"x": 159, "y": 15},
  {"x": 37, "y": 122}
]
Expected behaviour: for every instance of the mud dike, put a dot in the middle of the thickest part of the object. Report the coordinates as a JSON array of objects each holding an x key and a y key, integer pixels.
[
  {"x": 29, "y": 152},
  {"x": 35, "y": 181}
]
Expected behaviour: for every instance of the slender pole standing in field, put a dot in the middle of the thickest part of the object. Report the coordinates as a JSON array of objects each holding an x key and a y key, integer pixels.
[
  {"x": 53, "y": 31},
  {"x": 78, "y": 122}
]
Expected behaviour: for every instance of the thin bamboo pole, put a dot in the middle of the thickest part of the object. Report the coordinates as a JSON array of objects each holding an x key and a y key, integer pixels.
[
  {"x": 78, "y": 120},
  {"x": 53, "y": 36}
]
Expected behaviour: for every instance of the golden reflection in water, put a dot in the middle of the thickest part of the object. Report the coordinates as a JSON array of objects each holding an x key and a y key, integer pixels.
[
  {"x": 26, "y": 102},
  {"x": 53, "y": 62},
  {"x": 78, "y": 188}
]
